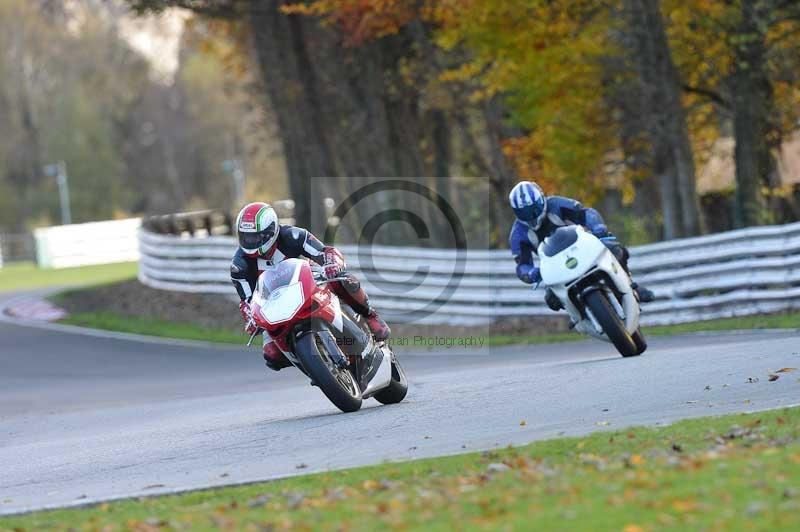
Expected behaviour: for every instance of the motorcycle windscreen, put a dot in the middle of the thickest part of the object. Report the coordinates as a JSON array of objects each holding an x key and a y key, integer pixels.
[{"x": 283, "y": 303}]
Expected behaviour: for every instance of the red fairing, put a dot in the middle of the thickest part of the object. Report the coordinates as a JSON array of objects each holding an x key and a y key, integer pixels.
[{"x": 318, "y": 302}]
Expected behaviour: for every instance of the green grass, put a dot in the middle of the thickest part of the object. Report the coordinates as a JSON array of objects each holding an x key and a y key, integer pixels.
[
  {"x": 153, "y": 327},
  {"x": 26, "y": 275},
  {"x": 739, "y": 472}
]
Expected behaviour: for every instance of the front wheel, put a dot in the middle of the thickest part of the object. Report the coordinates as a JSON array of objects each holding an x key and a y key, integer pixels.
[
  {"x": 611, "y": 323},
  {"x": 398, "y": 386},
  {"x": 338, "y": 384}
]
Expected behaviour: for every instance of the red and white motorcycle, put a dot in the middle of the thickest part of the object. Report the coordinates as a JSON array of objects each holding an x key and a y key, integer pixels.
[{"x": 324, "y": 338}]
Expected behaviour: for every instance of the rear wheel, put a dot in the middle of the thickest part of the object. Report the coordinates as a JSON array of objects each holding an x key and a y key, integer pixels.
[
  {"x": 398, "y": 386},
  {"x": 611, "y": 323},
  {"x": 638, "y": 339},
  {"x": 338, "y": 384}
]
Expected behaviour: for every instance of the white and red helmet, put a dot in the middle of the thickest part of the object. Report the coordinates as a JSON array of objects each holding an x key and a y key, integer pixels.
[{"x": 257, "y": 228}]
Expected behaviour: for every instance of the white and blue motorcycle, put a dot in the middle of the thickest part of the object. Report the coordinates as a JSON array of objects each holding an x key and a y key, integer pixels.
[{"x": 593, "y": 288}]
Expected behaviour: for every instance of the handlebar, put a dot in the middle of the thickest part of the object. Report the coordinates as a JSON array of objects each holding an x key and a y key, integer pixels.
[{"x": 322, "y": 280}]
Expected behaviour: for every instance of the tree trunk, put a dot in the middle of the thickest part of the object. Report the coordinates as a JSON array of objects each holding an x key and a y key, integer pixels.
[
  {"x": 665, "y": 118},
  {"x": 282, "y": 54},
  {"x": 24, "y": 164},
  {"x": 750, "y": 102}
]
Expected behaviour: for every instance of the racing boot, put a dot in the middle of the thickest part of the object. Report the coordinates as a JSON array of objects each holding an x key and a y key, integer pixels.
[
  {"x": 379, "y": 329},
  {"x": 645, "y": 295},
  {"x": 274, "y": 357}
]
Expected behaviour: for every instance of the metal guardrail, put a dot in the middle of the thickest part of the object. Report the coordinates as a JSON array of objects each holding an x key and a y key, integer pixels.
[
  {"x": 208, "y": 222},
  {"x": 743, "y": 272}
]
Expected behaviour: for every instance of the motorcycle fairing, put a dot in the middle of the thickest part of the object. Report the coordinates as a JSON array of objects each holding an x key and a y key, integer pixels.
[{"x": 596, "y": 265}]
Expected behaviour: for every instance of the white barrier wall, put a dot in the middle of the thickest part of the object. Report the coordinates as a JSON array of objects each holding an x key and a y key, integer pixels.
[
  {"x": 750, "y": 271},
  {"x": 65, "y": 246}
]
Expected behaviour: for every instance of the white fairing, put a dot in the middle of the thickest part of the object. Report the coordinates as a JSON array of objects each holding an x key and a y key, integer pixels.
[
  {"x": 587, "y": 250},
  {"x": 282, "y": 303},
  {"x": 337, "y": 316},
  {"x": 383, "y": 376},
  {"x": 586, "y": 255}
]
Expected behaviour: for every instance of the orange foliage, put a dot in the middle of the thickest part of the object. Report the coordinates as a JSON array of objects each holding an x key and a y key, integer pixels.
[{"x": 360, "y": 20}]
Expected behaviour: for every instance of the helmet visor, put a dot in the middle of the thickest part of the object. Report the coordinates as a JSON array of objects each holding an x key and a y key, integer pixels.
[
  {"x": 531, "y": 214},
  {"x": 255, "y": 240}
]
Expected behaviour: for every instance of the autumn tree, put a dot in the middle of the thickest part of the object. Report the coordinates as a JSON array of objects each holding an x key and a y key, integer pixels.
[
  {"x": 652, "y": 105},
  {"x": 741, "y": 58}
]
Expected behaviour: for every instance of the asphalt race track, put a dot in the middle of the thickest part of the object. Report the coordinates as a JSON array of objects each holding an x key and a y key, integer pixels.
[{"x": 85, "y": 418}]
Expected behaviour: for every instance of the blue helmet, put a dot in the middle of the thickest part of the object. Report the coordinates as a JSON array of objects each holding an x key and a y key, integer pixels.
[{"x": 529, "y": 203}]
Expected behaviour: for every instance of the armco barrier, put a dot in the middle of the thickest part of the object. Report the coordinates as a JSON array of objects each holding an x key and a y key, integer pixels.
[
  {"x": 65, "y": 246},
  {"x": 749, "y": 271}
]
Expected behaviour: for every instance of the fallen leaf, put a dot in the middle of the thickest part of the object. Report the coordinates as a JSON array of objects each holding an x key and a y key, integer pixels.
[
  {"x": 752, "y": 380},
  {"x": 301, "y": 466},
  {"x": 497, "y": 467},
  {"x": 294, "y": 500},
  {"x": 786, "y": 370},
  {"x": 677, "y": 448},
  {"x": 523, "y": 423},
  {"x": 684, "y": 505},
  {"x": 773, "y": 377},
  {"x": 632, "y": 528},
  {"x": 153, "y": 486},
  {"x": 224, "y": 475},
  {"x": 603, "y": 423},
  {"x": 371, "y": 485},
  {"x": 708, "y": 387},
  {"x": 755, "y": 508},
  {"x": 259, "y": 501}
]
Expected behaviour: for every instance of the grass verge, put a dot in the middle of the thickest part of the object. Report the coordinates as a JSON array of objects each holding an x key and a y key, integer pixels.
[
  {"x": 739, "y": 472},
  {"x": 189, "y": 331},
  {"x": 153, "y": 327},
  {"x": 26, "y": 275}
]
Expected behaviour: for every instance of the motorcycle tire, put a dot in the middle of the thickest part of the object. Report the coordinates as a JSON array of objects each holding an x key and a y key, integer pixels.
[
  {"x": 338, "y": 384},
  {"x": 612, "y": 325},
  {"x": 638, "y": 339},
  {"x": 398, "y": 386}
]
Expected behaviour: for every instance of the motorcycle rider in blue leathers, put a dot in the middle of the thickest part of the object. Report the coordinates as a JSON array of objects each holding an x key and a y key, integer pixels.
[{"x": 538, "y": 216}]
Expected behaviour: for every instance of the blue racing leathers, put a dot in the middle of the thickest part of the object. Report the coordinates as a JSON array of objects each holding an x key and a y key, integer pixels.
[{"x": 524, "y": 240}]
